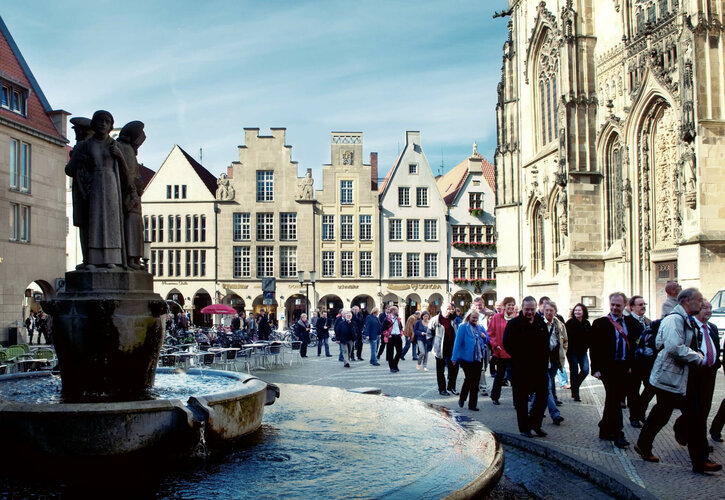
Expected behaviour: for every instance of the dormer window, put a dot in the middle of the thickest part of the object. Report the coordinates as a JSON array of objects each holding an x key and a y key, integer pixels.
[{"x": 14, "y": 98}]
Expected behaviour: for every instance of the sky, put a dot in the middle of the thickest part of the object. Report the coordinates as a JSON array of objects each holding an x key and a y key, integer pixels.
[{"x": 198, "y": 73}]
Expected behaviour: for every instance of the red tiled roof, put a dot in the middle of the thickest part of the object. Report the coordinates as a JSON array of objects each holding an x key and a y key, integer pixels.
[
  {"x": 146, "y": 175},
  {"x": 389, "y": 175},
  {"x": 14, "y": 68},
  {"x": 206, "y": 177},
  {"x": 450, "y": 184}
]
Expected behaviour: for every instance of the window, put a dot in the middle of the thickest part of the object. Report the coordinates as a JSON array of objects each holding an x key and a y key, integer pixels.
[
  {"x": 152, "y": 262},
  {"x": 328, "y": 264},
  {"x": 265, "y": 262},
  {"x": 346, "y": 264},
  {"x": 265, "y": 227},
  {"x": 202, "y": 235},
  {"x": 395, "y": 265},
  {"x": 288, "y": 226},
  {"x": 346, "y": 197},
  {"x": 346, "y": 227},
  {"x": 242, "y": 264},
  {"x": 160, "y": 263},
  {"x": 172, "y": 220},
  {"x": 14, "y": 99},
  {"x": 475, "y": 233},
  {"x": 19, "y": 166},
  {"x": 538, "y": 243},
  {"x": 459, "y": 233},
  {"x": 395, "y": 229},
  {"x": 421, "y": 196},
  {"x": 153, "y": 228},
  {"x": 176, "y": 191},
  {"x": 19, "y": 223},
  {"x": 328, "y": 227},
  {"x": 489, "y": 234},
  {"x": 288, "y": 262},
  {"x": 613, "y": 187},
  {"x": 202, "y": 263},
  {"x": 168, "y": 191},
  {"x": 265, "y": 185},
  {"x": 241, "y": 227},
  {"x": 366, "y": 227},
  {"x": 178, "y": 228},
  {"x": 188, "y": 263},
  {"x": 178, "y": 262},
  {"x": 183, "y": 191},
  {"x": 196, "y": 228},
  {"x": 412, "y": 229},
  {"x": 491, "y": 269},
  {"x": 547, "y": 69},
  {"x": 431, "y": 265},
  {"x": 146, "y": 228},
  {"x": 170, "y": 254},
  {"x": 475, "y": 201},
  {"x": 413, "y": 265},
  {"x": 188, "y": 228},
  {"x": 366, "y": 264},
  {"x": 477, "y": 269},
  {"x": 431, "y": 229},
  {"x": 459, "y": 268},
  {"x": 413, "y": 168},
  {"x": 403, "y": 196},
  {"x": 195, "y": 266}
]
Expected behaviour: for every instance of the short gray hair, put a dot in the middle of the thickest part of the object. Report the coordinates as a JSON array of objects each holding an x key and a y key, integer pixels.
[{"x": 685, "y": 294}]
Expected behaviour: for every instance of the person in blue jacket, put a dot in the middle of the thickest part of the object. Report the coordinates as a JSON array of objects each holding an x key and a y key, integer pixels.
[
  {"x": 468, "y": 351},
  {"x": 372, "y": 330}
]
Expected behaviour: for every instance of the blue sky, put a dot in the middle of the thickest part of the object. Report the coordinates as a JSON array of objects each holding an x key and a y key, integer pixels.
[{"x": 198, "y": 73}]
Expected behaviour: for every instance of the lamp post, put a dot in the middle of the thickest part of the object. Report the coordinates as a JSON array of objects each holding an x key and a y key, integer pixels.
[{"x": 311, "y": 281}]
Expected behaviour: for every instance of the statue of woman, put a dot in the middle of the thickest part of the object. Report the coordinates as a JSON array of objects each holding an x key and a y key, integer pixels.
[
  {"x": 129, "y": 140},
  {"x": 101, "y": 158}
]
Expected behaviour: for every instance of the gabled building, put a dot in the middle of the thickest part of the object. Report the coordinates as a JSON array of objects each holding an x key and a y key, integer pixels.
[
  {"x": 347, "y": 218},
  {"x": 32, "y": 199},
  {"x": 414, "y": 253},
  {"x": 179, "y": 222},
  {"x": 468, "y": 190},
  {"x": 266, "y": 227}
]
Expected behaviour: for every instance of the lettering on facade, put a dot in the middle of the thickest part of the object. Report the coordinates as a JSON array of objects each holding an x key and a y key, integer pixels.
[
  {"x": 235, "y": 286},
  {"x": 174, "y": 283},
  {"x": 414, "y": 286},
  {"x": 348, "y": 286}
]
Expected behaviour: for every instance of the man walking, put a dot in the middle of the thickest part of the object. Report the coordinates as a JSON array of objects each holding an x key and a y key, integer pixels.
[
  {"x": 444, "y": 327},
  {"x": 672, "y": 289},
  {"x": 527, "y": 342},
  {"x": 323, "y": 334},
  {"x": 357, "y": 323},
  {"x": 612, "y": 351},
  {"x": 393, "y": 331},
  {"x": 685, "y": 361}
]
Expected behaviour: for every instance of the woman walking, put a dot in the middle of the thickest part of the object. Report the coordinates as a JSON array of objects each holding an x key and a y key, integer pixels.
[
  {"x": 302, "y": 331},
  {"x": 468, "y": 352},
  {"x": 496, "y": 327},
  {"x": 421, "y": 338},
  {"x": 578, "y": 329},
  {"x": 372, "y": 330}
]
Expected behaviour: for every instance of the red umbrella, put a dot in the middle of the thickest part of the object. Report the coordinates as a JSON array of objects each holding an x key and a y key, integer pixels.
[{"x": 218, "y": 309}]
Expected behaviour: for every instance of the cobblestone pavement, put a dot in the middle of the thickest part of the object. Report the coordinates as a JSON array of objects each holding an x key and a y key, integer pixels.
[{"x": 576, "y": 436}]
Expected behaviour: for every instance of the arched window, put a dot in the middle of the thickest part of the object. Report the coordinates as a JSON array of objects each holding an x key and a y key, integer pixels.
[
  {"x": 547, "y": 64},
  {"x": 614, "y": 211},
  {"x": 538, "y": 241}
]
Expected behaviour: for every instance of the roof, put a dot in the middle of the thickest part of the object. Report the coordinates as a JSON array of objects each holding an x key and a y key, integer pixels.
[
  {"x": 451, "y": 183},
  {"x": 389, "y": 175},
  {"x": 146, "y": 175},
  {"x": 14, "y": 68},
  {"x": 206, "y": 177}
]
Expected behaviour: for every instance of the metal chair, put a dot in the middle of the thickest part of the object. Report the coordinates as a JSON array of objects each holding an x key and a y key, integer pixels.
[
  {"x": 169, "y": 360},
  {"x": 230, "y": 360},
  {"x": 245, "y": 356},
  {"x": 208, "y": 359},
  {"x": 295, "y": 346}
]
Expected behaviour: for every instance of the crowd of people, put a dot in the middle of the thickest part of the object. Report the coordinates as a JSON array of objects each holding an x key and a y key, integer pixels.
[{"x": 672, "y": 360}]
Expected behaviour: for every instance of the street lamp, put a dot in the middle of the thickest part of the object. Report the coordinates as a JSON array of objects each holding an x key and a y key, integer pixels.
[{"x": 301, "y": 279}]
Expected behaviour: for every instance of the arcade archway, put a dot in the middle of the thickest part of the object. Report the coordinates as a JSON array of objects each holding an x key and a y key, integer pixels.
[
  {"x": 330, "y": 303},
  {"x": 258, "y": 305},
  {"x": 435, "y": 302},
  {"x": 234, "y": 300},
  {"x": 462, "y": 300},
  {"x": 200, "y": 301},
  {"x": 294, "y": 306},
  {"x": 412, "y": 304},
  {"x": 365, "y": 302}
]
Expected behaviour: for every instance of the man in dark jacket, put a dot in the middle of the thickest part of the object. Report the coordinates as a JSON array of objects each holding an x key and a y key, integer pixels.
[
  {"x": 323, "y": 334},
  {"x": 263, "y": 325},
  {"x": 358, "y": 322},
  {"x": 612, "y": 351},
  {"x": 344, "y": 335},
  {"x": 373, "y": 329},
  {"x": 527, "y": 342}
]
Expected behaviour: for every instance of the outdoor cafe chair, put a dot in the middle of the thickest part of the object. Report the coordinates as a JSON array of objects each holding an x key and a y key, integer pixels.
[
  {"x": 169, "y": 360},
  {"x": 295, "y": 346},
  {"x": 208, "y": 358}
]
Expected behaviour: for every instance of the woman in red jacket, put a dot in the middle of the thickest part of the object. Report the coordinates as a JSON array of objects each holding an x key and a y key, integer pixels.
[{"x": 496, "y": 327}]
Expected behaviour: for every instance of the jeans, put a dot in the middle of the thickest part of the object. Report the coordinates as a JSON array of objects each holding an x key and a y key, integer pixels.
[
  {"x": 342, "y": 357},
  {"x": 374, "y": 344},
  {"x": 551, "y": 372},
  {"x": 327, "y": 346},
  {"x": 422, "y": 353},
  {"x": 472, "y": 371},
  {"x": 408, "y": 343},
  {"x": 346, "y": 350},
  {"x": 550, "y": 402},
  {"x": 579, "y": 368}
]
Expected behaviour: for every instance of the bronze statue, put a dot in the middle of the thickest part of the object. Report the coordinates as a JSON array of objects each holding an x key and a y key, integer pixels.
[
  {"x": 99, "y": 163},
  {"x": 129, "y": 140},
  {"x": 80, "y": 185}
]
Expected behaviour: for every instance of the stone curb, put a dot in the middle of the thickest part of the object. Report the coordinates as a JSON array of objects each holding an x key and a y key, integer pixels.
[
  {"x": 611, "y": 482},
  {"x": 485, "y": 481}
]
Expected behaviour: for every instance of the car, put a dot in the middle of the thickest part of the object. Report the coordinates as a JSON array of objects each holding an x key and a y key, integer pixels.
[{"x": 718, "y": 311}]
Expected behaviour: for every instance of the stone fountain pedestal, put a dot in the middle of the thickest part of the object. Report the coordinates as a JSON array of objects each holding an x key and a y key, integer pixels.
[{"x": 108, "y": 328}]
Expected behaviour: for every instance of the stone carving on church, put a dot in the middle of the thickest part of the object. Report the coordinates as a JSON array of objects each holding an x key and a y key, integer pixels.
[
  {"x": 224, "y": 190},
  {"x": 687, "y": 126},
  {"x": 561, "y": 208},
  {"x": 347, "y": 157},
  {"x": 687, "y": 162},
  {"x": 304, "y": 187},
  {"x": 667, "y": 215}
]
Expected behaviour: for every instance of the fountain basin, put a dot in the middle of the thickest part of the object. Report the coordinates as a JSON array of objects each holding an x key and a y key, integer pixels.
[{"x": 168, "y": 426}]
